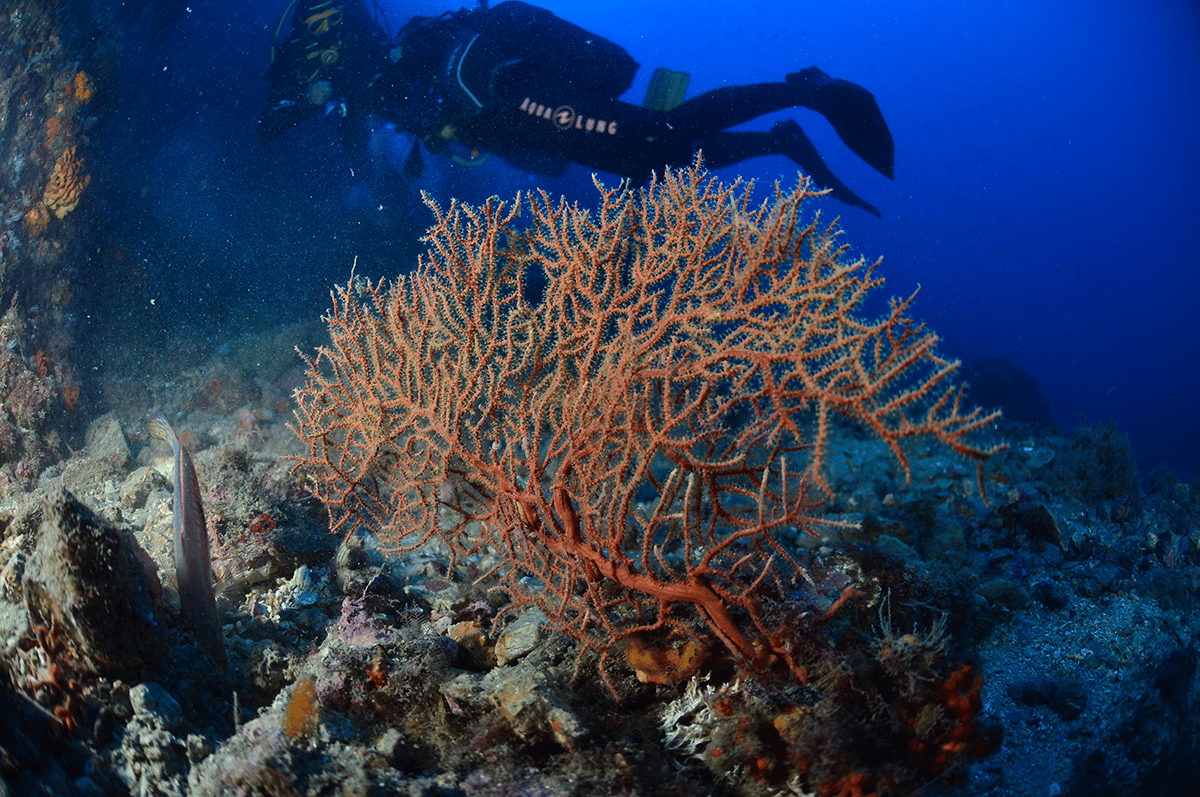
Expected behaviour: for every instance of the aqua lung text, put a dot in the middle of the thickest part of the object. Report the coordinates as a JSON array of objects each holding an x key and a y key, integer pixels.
[{"x": 565, "y": 118}]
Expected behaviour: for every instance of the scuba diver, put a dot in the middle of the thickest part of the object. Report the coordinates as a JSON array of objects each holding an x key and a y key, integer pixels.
[{"x": 539, "y": 92}]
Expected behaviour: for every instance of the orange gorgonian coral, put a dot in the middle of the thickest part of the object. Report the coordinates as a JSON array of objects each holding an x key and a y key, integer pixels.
[{"x": 629, "y": 448}]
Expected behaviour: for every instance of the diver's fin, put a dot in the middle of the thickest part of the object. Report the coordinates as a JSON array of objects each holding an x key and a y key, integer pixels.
[
  {"x": 852, "y": 111},
  {"x": 795, "y": 145},
  {"x": 666, "y": 90}
]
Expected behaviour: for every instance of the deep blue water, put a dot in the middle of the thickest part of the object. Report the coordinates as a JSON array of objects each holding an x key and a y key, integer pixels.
[{"x": 1045, "y": 195}]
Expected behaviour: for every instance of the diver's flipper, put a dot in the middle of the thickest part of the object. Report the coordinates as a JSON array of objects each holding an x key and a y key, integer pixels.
[
  {"x": 795, "y": 145},
  {"x": 852, "y": 111}
]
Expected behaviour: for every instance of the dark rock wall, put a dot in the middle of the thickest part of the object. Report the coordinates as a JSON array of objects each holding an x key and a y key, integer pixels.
[{"x": 55, "y": 82}]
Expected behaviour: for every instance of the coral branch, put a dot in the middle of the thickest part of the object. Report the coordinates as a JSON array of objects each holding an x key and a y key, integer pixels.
[{"x": 629, "y": 444}]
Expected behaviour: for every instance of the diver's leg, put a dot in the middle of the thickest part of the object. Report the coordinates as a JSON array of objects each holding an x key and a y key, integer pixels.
[
  {"x": 785, "y": 138},
  {"x": 632, "y": 141},
  {"x": 850, "y": 108},
  {"x": 732, "y": 105}
]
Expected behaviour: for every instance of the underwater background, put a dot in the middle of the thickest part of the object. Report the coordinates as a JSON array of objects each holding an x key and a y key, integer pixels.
[
  {"x": 894, "y": 621},
  {"x": 1044, "y": 199}
]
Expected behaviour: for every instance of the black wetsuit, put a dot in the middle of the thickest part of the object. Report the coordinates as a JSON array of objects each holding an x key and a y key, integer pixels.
[{"x": 540, "y": 92}]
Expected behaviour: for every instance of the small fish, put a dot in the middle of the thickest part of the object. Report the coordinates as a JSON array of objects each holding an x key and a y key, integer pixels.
[{"x": 193, "y": 564}]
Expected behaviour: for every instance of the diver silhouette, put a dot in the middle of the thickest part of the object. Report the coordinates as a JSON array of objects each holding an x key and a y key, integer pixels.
[{"x": 539, "y": 92}]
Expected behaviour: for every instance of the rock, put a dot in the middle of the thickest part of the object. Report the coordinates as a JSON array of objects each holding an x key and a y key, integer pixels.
[
  {"x": 529, "y": 698},
  {"x": 150, "y": 758},
  {"x": 357, "y": 561},
  {"x": 106, "y": 442},
  {"x": 472, "y": 643},
  {"x": 1066, "y": 697},
  {"x": 267, "y": 666},
  {"x": 534, "y": 704},
  {"x": 387, "y": 743},
  {"x": 1005, "y": 592},
  {"x": 11, "y": 575},
  {"x": 1169, "y": 587},
  {"x": 89, "y": 581},
  {"x": 13, "y": 625},
  {"x": 1040, "y": 524},
  {"x": 1050, "y": 594},
  {"x": 151, "y": 702},
  {"x": 198, "y": 748},
  {"x": 139, "y": 484},
  {"x": 897, "y": 549},
  {"x": 946, "y": 540},
  {"x": 519, "y": 638},
  {"x": 35, "y": 749}
]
